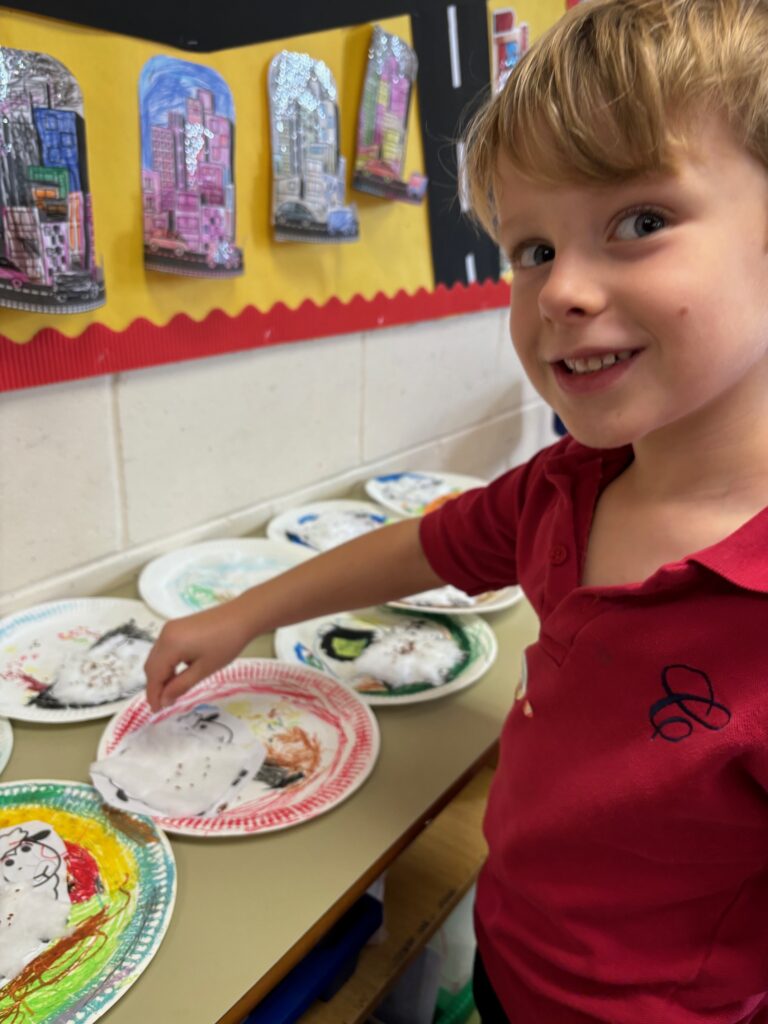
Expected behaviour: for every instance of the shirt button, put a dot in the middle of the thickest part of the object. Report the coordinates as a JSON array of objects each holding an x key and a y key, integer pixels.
[{"x": 558, "y": 553}]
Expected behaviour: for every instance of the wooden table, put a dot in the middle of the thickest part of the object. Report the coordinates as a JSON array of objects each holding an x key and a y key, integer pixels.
[{"x": 248, "y": 909}]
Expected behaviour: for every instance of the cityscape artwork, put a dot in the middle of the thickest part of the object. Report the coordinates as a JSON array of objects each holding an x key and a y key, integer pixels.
[
  {"x": 308, "y": 172},
  {"x": 187, "y": 173},
  {"x": 47, "y": 254},
  {"x": 382, "y": 128}
]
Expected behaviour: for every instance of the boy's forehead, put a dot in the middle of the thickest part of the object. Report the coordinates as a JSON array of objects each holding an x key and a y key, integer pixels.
[{"x": 700, "y": 154}]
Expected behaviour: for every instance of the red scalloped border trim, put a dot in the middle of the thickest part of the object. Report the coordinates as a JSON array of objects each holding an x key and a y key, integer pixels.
[{"x": 51, "y": 356}]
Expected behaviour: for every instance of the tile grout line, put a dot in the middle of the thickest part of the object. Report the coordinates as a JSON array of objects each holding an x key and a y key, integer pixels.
[
  {"x": 122, "y": 486},
  {"x": 363, "y": 399}
]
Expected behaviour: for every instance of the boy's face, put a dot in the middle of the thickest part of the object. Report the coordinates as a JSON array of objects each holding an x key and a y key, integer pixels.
[{"x": 657, "y": 288}]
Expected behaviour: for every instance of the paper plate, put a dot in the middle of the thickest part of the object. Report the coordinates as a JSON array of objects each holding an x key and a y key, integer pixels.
[
  {"x": 207, "y": 574},
  {"x": 325, "y": 524},
  {"x": 322, "y": 744},
  {"x": 414, "y": 493},
  {"x": 36, "y": 645},
  {"x": 6, "y": 742},
  {"x": 110, "y": 875},
  {"x": 386, "y": 655},
  {"x": 453, "y": 602}
]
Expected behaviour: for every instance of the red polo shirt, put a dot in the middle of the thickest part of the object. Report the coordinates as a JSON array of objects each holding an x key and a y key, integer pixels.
[{"x": 627, "y": 879}]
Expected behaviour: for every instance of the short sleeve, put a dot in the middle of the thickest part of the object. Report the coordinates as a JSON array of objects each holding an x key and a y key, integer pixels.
[{"x": 470, "y": 542}]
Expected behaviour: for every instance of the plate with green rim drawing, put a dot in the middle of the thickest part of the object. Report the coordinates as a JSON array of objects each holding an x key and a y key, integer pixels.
[
  {"x": 389, "y": 656},
  {"x": 82, "y": 936}
]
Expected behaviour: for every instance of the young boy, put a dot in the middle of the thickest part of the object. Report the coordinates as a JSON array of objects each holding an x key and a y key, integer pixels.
[{"x": 624, "y": 169}]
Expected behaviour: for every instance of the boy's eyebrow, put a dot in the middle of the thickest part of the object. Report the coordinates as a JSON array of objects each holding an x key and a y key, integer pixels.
[{"x": 515, "y": 222}]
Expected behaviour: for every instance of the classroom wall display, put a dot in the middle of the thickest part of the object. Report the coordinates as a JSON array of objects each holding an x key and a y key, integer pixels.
[
  {"x": 382, "y": 126},
  {"x": 187, "y": 169},
  {"x": 47, "y": 257},
  {"x": 308, "y": 170},
  {"x": 411, "y": 262}
]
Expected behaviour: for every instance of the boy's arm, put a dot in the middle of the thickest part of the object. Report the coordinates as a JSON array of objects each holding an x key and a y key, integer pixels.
[{"x": 381, "y": 566}]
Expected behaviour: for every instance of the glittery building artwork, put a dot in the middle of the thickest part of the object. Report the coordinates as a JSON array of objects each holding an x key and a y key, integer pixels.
[
  {"x": 187, "y": 173},
  {"x": 308, "y": 172},
  {"x": 511, "y": 39},
  {"x": 382, "y": 128},
  {"x": 47, "y": 256}
]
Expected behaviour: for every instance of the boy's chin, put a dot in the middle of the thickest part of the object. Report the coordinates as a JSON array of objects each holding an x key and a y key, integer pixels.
[{"x": 594, "y": 437}]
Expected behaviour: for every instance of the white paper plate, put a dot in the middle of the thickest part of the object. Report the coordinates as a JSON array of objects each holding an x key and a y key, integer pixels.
[
  {"x": 331, "y": 739},
  {"x": 207, "y": 574},
  {"x": 34, "y": 645},
  {"x": 120, "y": 880},
  {"x": 341, "y": 646},
  {"x": 413, "y": 493},
  {"x": 491, "y": 601},
  {"x": 6, "y": 742},
  {"x": 324, "y": 524}
]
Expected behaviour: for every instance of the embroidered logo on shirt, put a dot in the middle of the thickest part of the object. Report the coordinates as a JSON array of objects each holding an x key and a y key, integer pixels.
[{"x": 689, "y": 702}]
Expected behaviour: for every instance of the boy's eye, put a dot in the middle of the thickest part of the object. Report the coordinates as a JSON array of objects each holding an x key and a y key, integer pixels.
[
  {"x": 638, "y": 224},
  {"x": 532, "y": 255}
]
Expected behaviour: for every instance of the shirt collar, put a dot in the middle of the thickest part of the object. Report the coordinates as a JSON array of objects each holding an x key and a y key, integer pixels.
[{"x": 741, "y": 558}]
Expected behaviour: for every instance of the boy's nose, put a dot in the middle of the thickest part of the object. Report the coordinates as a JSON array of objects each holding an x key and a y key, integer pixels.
[{"x": 571, "y": 292}]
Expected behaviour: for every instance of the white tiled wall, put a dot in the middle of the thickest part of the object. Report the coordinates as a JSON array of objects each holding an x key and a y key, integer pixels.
[{"x": 99, "y": 476}]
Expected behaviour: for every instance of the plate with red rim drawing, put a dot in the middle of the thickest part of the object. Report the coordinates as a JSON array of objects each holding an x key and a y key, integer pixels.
[
  {"x": 207, "y": 574},
  {"x": 324, "y": 524},
  {"x": 74, "y": 660},
  {"x": 389, "y": 656},
  {"x": 452, "y": 601},
  {"x": 259, "y": 746},
  {"x": 414, "y": 493}
]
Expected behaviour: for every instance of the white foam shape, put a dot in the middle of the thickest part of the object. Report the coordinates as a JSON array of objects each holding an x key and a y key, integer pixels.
[
  {"x": 188, "y": 765},
  {"x": 34, "y": 899},
  {"x": 416, "y": 652}
]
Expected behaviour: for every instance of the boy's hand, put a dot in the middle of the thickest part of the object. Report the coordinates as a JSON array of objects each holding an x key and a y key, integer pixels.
[{"x": 199, "y": 645}]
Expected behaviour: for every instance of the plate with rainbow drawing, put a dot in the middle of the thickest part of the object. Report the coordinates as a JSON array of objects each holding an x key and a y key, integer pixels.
[
  {"x": 86, "y": 895},
  {"x": 257, "y": 746}
]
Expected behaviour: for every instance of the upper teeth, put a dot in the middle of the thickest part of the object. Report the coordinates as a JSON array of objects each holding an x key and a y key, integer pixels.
[{"x": 596, "y": 362}]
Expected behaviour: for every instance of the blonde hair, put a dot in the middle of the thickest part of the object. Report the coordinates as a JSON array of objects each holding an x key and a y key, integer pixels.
[{"x": 610, "y": 91}]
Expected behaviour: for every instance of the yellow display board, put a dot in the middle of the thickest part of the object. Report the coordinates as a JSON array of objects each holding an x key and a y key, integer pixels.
[
  {"x": 394, "y": 250},
  {"x": 289, "y": 290}
]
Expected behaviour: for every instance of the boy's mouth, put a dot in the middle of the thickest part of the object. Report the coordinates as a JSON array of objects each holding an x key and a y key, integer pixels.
[{"x": 593, "y": 364}]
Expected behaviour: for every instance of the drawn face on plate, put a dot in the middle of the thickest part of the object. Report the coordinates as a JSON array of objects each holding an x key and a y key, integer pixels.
[{"x": 26, "y": 859}]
